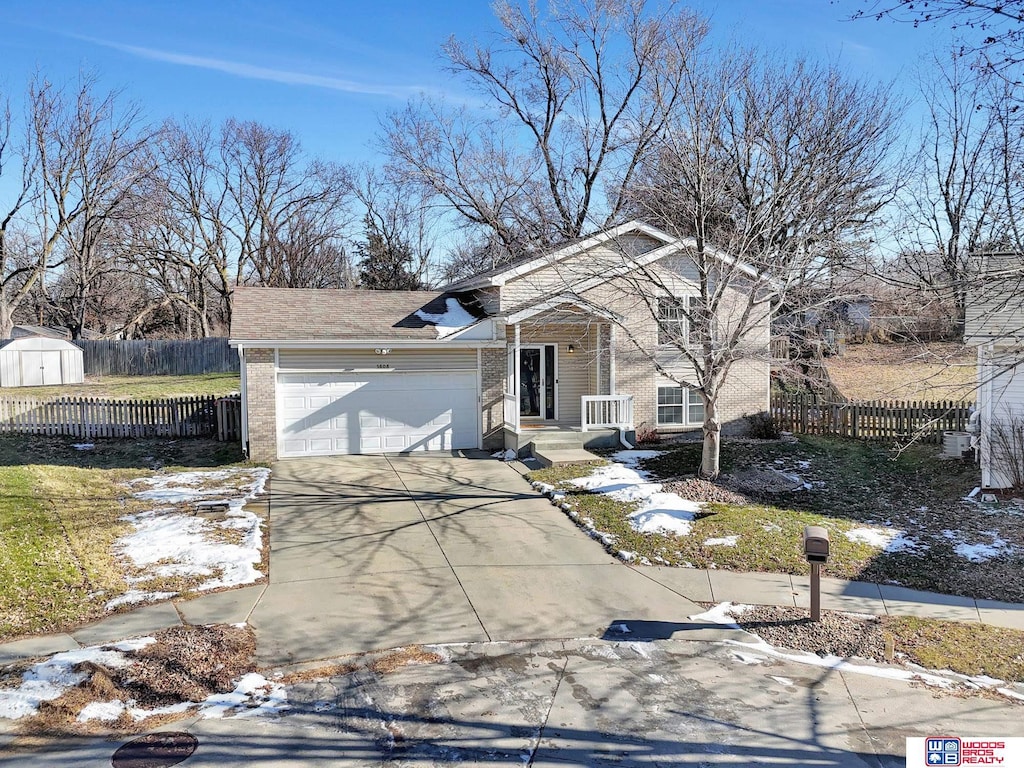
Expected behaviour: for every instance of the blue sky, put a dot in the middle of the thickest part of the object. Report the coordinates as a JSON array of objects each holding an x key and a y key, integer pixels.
[{"x": 326, "y": 70}]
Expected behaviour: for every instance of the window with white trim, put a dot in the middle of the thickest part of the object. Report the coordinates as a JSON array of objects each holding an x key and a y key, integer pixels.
[
  {"x": 676, "y": 318},
  {"x": 672, "y": 321},
  {"x": 679, "y": 405}
]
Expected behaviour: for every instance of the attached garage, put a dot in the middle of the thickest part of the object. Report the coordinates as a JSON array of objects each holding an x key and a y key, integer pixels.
[
  {"x": 336, "y": 372},
  {"x": 327, "y": 414}
]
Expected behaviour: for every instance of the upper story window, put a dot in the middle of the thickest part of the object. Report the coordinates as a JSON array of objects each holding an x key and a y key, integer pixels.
[{"x": 673, "y": 324}]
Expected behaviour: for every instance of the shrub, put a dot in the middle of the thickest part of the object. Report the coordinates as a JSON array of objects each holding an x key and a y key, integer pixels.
[
  {"x": 647, "y": 436},
  {"x": 762, "y": 426}
]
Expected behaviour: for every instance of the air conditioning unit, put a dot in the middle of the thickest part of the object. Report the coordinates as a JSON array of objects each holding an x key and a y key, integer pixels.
[{"x": 955, "y": 444}]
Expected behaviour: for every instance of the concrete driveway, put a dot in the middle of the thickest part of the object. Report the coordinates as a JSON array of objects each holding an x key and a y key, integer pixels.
[{"x": 372, "y": 552}]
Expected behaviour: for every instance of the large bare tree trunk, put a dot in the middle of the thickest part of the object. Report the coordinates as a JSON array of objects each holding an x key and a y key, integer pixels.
[{"x": 710, "y": 464}]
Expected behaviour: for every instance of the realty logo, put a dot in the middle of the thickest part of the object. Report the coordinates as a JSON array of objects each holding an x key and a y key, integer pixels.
[{"x": 942, "y": 750}]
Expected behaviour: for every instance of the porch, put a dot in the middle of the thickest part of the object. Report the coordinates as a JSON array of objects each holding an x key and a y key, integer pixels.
[{"x": 560, "y": 385}]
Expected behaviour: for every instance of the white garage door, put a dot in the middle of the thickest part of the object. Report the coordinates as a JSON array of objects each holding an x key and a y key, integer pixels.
[{"x": 325, "y": 414}]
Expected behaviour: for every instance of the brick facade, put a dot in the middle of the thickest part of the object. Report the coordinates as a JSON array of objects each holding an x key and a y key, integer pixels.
[
  {"x": 493, "y": 371},
  {"x": 261, "y": 404}
]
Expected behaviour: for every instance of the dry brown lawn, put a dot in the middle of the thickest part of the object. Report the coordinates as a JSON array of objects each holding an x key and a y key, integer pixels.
[{"x": 908, "y": 371}]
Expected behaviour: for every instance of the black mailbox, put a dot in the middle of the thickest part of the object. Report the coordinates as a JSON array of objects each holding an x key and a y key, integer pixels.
[{"x": 816, "y": 544}]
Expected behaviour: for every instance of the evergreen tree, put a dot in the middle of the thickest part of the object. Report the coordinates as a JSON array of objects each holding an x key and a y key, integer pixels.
[{"x": 385, "y": 263}]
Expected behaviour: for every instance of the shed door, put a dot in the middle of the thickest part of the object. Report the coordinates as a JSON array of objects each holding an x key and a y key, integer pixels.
[
  {"x": 320, "y": 414},
  {"x": 40, "y": 367}
]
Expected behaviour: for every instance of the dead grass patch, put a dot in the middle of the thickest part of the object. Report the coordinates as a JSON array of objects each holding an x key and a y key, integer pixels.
[
  {"x": 905, "y": 371},
  {"x": 404, "y": 657},
  {"x": 318, "y": 672},
  {"x": 967, "y": 648},
  {"x": 185, "y": 664}
]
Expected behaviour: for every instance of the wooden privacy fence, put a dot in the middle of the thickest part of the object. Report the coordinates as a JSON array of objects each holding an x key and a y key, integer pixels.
[
  {"x": 158, "y": 357},
  {"x": 875, "y": 420},
  {"x": 90, "y": 417}
]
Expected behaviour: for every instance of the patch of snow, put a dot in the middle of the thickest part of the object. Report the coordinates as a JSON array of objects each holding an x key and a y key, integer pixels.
[
  {"x": 724, "y": 614},
  {"x": 982, "y": 552},
  {"x": 888, "y": 539},
  {"x": 452, "y": 320},
  {"x": 133, "y": 596},
  {"x": 101, "y": 710},
  {"x": 632, "y": 458},
  {"x": 782, "y": 680},
  {"x": 658, "y": 512},
  {"x": 723, "y": 541},
  {"x": 49, "y": 679},
  {"x": 622, "y": 629},
  {"x": 133, "y": 644},
  {"x": 772, "y": 527},
  {"x": 168, "y": 542},
  {"x": 83, "y": 446},
  {"x": 507, "y": 455},
  {"x": 253, "y": 696}
]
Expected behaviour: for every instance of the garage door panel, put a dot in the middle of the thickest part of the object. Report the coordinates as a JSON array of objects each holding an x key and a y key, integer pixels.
[{"x": 377, "y": 413}]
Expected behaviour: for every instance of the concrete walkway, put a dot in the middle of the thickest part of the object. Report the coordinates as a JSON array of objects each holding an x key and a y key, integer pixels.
[{"x": 372, "y": 552}]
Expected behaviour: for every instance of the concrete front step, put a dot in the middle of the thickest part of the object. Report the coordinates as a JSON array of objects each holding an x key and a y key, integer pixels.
[{"x": 551, "y": 458}]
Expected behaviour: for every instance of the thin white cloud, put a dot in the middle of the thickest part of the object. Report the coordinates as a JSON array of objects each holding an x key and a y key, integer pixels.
[{"x": 254, "y": 72}]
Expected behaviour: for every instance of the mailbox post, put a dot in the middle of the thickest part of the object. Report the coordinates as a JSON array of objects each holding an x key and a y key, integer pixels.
[{"x": 816, "y": 550}]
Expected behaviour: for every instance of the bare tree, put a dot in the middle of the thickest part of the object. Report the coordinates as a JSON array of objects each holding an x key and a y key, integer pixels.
[
  {"x": 956, "y": 204},
  {"x": 91, "y": 156},
  {"x": 572, "y": 104},
  {"x": 244, "y": 205},
  {"x": 19, "y": 269},
  {"x": 767, "y": 173},
  {"x": 274, "y": 193},
  {"x": 399, "y": 229},
  {"x": 993, "y": 28}
]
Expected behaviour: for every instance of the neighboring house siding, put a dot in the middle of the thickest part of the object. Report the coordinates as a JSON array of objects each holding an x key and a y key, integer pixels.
[
  {"x": 1001, "y": 400},
  {"x": 995, "y": 305},
  {"x": 261, "y": 404},
  {"x": 368, "y": 360},
  {"x": 577, "y": 372}
]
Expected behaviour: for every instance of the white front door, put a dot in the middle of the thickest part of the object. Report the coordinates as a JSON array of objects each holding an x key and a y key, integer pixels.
[{"x": 538, "y": 382}]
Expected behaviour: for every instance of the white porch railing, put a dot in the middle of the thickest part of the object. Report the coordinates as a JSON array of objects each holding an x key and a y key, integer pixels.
[
  {"x": 511, "y": 412},
  {"x": 607, "y": 411}
]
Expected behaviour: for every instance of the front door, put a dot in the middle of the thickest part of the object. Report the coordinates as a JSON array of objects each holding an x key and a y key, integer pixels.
[{"x": 538, "y": 383}]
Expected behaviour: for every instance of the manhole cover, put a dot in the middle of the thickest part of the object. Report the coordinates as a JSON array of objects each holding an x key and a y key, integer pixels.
[{"x": 155, "y": 750}]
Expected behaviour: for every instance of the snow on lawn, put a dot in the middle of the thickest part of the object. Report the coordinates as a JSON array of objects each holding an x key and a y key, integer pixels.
[
  {"x": 658, "y": 512},
  {"x": 888, "y": 539},
  {"x": 171, "y": 541},
  {"x": 48, "y": 680},
  {"x": 756, "y": 651},
  {"x": 982, "y": 551},
  {"x": 723, "y": 541},
  {"x": 452, "y": 320}
]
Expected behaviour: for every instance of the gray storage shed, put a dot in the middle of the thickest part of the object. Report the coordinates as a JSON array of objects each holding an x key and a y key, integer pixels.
[{"x": 34, "y": 361}]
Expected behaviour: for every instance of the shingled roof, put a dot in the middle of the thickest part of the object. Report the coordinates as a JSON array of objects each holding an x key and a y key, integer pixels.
[{"x": 297, "y": 314}]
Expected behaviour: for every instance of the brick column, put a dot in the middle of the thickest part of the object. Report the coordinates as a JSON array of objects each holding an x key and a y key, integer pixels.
[
  {"x": 493, "y": 371},
  {"x": 261, "y": 400}
]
